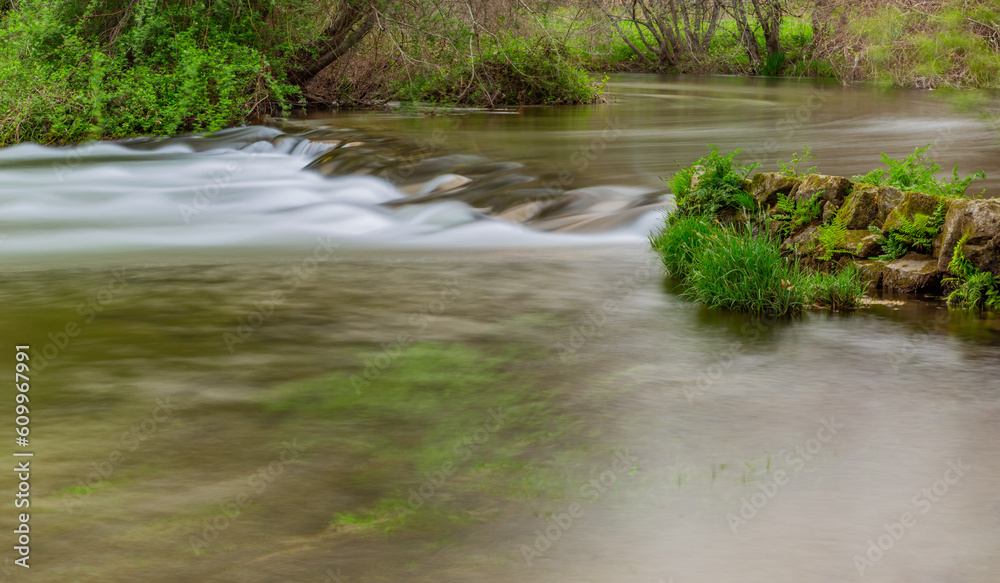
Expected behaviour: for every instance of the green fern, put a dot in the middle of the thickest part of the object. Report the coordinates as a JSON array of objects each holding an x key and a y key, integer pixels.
[
  {"x": 792, "y": 168},
  {"x": 974, "y": 289},
  {"x": 915, "y": 234},
  {"x": 832, "y": 236},
  {"x": 795, "y": 214}
]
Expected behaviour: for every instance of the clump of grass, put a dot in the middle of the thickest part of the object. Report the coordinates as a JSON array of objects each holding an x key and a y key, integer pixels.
[
  {"x": 680, "y": 239},
  {"x": 741, "y": 272},
  {"x": 919, "y": 172},
  {"x": 837, "y": 291},
  {"x": 714, "y": 183}
]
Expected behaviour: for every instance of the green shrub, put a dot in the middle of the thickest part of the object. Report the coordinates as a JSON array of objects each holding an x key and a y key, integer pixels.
[
  {"x": 745, "y": 273},
  {"x": 918, "y": 172},
  {"x": 836, "y": 291},
  {"x": 513, "y": 71},
  {"x": 680, "y": 239},
  {"x": 167, "y": 67},
  {"x": 714, "y": 183}
]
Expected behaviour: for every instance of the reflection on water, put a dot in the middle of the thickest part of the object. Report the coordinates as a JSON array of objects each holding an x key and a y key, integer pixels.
[{"x": 233, "y": 411}]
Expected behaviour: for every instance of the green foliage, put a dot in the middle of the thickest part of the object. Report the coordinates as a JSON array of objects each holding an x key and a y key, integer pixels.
[
  {"x": 795, "y": 214},
  {"x": 680, "y": 239},
  {"x": 911, "y": 235},
  {"x": 513, "y": 71},
  {"x": 792, "y": 168},
  {"x": 741, "y": 272},
  {"x": 832, "y": 236},
  {"x": 974, "y": 289},
  {"x": 918, "y": 172},
  {"x": 167, "y": 66},
  {"x": 714, "y": 183},
  {"x": 836, "y": 291}
]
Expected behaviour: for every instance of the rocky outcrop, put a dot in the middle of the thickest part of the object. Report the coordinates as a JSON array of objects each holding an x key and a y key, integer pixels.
[{"x": 861, "y": 206}]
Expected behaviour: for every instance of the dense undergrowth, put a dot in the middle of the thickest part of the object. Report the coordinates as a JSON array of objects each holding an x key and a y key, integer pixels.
[
  {"x": 72, "y": 70},
  {"x": 728, "y": 251}
]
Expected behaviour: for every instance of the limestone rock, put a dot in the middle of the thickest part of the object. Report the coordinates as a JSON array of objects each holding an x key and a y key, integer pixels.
[
  {"x": 829, "y": 211},
  {"x": 861, "y": 206},
  {"x": 832, "y": 188},
  {"x": 912, "y": 273},
  {"x": 803, "y": 242},
  {"x": 861, "y": 243},
  {"x": 981, "y": 220},
  {"x": 887, "y": 198},
  {"x": 767, "y": 186},
  {"x": 873, "y": 272},
  {"x": 913, "y": 203}
]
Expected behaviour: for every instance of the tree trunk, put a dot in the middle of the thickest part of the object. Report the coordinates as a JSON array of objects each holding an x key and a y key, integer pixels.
[{"x": 353, "y": 22}]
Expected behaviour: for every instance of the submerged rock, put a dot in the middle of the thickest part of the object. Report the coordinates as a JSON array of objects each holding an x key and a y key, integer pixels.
[
  {"x": 912, "y": 273},
  {"x": 766, "y": 187},
  {"x": 831, "y": 188},
  {"x": 981, "y": 220}
]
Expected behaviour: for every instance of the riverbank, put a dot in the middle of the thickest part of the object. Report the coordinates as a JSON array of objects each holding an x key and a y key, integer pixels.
[{"x": 74, "y": 73}]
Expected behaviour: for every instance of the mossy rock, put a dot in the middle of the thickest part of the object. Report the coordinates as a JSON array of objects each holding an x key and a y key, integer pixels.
[
  {"x": 831, "y": 188},
  {"x": 766, "y": 187},
  {"x": 804, "y": 242},
  {"x": 913, "y": 203},
  {"x": 887, "y": 198},
  {"x": 860, "y": 243},
  {"x": 981, "y": 220},
  {"x": 912, "y": 273},
  {"x": 861, "y": 207},
  {"x": 873, "y": 272}
]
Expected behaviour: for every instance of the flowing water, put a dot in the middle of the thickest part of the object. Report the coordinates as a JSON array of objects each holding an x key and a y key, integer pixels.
[{"x": 413, "y": 347}]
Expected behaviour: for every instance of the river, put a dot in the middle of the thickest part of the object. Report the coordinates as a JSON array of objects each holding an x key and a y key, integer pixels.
[{"x": 433, "y": 346}]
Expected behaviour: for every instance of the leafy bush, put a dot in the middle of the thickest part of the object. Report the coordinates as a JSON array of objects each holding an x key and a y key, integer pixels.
[
  {"x": 911, "y": 235},
  {"x": 974, "y": 289},
  {"x": 680, "y": 239},
  {"x": 714, "y": 183},
  {"x": 836, "y": 291},
  {"x": 166, "y": 67},
  {"x": 513, "y": 71},
  {"x": 741, "y": 272},
  {"x": 918, "y": 172}
]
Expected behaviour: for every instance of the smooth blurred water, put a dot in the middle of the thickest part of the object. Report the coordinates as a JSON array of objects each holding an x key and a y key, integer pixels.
[{"x": 349, "y": 311}]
